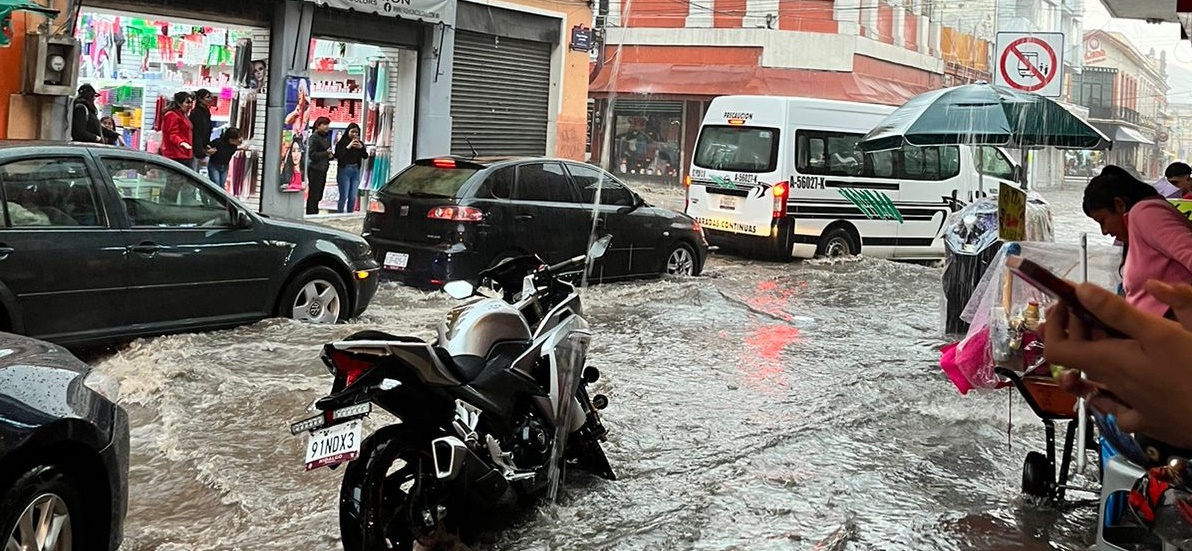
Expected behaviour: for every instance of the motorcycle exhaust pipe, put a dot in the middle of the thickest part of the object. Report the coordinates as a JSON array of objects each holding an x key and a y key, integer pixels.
[{"x": 449, "y": 454}]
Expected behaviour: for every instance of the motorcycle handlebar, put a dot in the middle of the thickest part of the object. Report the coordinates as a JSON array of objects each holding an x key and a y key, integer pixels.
[{"x": 578, "y": 261}]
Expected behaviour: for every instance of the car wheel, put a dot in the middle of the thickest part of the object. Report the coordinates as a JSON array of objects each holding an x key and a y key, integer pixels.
[
  {"x": 838, "y": 242},
  {"x": 317, "y": 295},
  {"x": 681, "y": 261},
  {"x": 42, "y": 510}
]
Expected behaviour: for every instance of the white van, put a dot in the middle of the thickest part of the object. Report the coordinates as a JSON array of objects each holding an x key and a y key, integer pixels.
[{"x": 782, "y": 176}]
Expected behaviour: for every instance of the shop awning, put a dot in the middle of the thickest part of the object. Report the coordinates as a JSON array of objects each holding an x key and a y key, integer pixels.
[
  {"x": 1122, "y": 134},
  {"x": 718, "y": 80}
]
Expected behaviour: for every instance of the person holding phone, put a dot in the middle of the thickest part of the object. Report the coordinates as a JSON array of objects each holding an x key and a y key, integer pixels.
[
  {"x": 1156, "y": 237},
  {"x": 1144, "y": 378},
  {"x": 350, "y": 154}
]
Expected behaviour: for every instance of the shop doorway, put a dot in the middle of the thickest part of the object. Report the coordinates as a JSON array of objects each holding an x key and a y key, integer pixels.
[
  {"x": 137, "y": 62},
  {"x": 355, "y": 86}
]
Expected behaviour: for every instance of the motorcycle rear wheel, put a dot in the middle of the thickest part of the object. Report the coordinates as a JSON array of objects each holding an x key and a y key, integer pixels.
[{"x": 381, "y": 507}]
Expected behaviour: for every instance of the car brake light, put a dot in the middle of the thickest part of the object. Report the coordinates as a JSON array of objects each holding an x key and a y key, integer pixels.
[
  {"x": 781, "y": 191},
  {"x": 456, "y": 214},
  {"x": 443, "y": 163},
  {"x": 349, "y": 366},
  {"x": 376, "y": 206}
]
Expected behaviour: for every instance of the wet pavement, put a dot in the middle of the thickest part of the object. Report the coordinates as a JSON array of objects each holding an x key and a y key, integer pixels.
[{"x": 760, "y": 406}]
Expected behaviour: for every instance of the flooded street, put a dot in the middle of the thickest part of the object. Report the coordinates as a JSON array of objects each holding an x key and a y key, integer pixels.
[{"x": 759, "y": 406}]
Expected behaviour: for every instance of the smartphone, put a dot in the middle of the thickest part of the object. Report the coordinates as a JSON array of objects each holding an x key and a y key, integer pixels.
[{"x": 1059, "y": 289}]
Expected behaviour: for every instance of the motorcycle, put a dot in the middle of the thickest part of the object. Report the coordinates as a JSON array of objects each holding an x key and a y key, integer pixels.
[{"x": 489, "y": 412}]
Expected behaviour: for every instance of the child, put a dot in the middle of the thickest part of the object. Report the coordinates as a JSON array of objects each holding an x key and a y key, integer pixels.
[{"x": 219, "y": 154}]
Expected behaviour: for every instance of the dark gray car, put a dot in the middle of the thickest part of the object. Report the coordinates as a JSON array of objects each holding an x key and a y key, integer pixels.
[
  {"x": 63, "y": 450},
  {"x": 102, "y": 244}
]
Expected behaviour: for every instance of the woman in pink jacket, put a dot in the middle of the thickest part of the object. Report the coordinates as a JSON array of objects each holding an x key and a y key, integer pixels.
[
  {"x": 177, "y": 131},
  {"x": 1156, "y": 237}
]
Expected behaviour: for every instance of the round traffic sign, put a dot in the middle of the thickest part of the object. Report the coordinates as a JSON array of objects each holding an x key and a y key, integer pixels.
[{"x": 1030, "y": 75}]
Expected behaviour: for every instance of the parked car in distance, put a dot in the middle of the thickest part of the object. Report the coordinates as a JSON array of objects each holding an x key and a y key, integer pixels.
[
  {"x": 63, "y": 450},
  {"x": 445, "y": 219},
  {"x": 100, "y": 244}
]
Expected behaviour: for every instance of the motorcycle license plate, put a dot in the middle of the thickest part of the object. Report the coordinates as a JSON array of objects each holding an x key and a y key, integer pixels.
[
  {"x": 334, "y": 445},
  {"x": 396, "y": 261}
]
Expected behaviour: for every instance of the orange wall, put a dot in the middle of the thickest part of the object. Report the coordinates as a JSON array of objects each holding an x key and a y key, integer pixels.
[
  {"x": 806, "y": 15},
  {"x": 911, "y": 31},
  {"x": 729, "y": 13},
  {"x": 705, "y": 55},
  {"x": 912, "y": 76},
  {"x": 12, "y": 60},
  {"x": 885, "y": 23},
  {"x": 654, "y": 13}
]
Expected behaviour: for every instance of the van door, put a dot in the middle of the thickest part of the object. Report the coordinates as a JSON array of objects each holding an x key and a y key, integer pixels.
[{"x": 929, "y": 176}]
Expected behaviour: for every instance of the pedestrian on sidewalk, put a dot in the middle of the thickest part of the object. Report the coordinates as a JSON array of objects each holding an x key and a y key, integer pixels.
[
  {"x": 177, "y": 131},
  {"x": 84, "y": 119},
  {"x": 200, "y": 121},
  {"x": 219, "y": 155},
  {"x": 319, "y": 157},
  {"x": 1179, "y": 178},
  {"x": 349, "y": 155}
]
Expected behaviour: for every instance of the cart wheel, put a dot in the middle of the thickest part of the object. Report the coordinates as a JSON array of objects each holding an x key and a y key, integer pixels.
[{"x": 1038, "y": 476}]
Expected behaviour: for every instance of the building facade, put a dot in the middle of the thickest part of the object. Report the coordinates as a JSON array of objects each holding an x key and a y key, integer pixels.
[
  {"x": 1126, "y": 95},
  {"x": 421, "y": 77}
]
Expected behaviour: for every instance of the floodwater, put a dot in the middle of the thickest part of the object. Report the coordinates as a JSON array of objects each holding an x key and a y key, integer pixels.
[{"x": 760, "y": 406}]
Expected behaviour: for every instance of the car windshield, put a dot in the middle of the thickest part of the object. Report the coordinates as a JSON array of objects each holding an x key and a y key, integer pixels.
[
  {"x": 737, "y": 148},
  {"x": 429, "y": 181}
]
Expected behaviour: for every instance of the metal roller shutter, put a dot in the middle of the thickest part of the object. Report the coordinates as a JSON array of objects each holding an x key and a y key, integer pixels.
[{"x": 500, "y": 95}]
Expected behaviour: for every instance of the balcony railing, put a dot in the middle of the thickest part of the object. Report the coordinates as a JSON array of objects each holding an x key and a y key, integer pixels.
[{"x": 1109, "y": 113}]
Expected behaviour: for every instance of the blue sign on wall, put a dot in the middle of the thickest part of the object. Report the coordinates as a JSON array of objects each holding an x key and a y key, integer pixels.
[{"x": 581, "y": 38}]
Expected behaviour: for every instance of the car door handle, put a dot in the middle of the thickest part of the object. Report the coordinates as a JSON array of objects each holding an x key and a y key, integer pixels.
[
  {"x": 599, "y": 222},
  {"x": 145, "y": 248},
  {"x": 5, "y": 250},
  {"x": 524, "y": 217}
]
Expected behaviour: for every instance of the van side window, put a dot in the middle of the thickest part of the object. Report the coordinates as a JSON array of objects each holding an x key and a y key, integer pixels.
[
  {"x": 995, "y": 163},
  {"x": 930, "y": 163},
  {"x": 828, "y": 153}
]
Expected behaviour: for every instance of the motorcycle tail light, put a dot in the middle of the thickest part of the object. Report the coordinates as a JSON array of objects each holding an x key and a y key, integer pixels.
[{"x": 349, "y": 366}]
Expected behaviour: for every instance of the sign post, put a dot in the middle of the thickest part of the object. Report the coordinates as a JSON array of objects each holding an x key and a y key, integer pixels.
[{"x": 1031, "y": 62}]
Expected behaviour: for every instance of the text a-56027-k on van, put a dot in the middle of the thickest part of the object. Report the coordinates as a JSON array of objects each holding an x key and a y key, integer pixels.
[{"x": 783, "y": 177}]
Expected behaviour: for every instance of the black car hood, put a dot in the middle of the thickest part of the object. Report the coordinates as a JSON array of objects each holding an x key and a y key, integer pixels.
[{"x": 309, "y": 228}]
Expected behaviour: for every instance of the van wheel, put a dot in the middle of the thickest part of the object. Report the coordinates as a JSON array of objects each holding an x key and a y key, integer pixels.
[{"x": 838, "y": 242}]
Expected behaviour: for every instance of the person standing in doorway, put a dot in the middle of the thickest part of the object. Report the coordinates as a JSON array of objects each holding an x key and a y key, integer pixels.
[
  {"x": 350, "y": 153},
  {"x": 319, "y": 157},
  {"x": 177, "y": 133},
  {"x": 200, "y": 120},
  {"x": 84, "y": 119},
  {"x": 219, "y": 155}
]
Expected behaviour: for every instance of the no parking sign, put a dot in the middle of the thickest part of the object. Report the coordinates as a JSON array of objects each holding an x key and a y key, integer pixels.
[{"x": 1030, "y": 62}]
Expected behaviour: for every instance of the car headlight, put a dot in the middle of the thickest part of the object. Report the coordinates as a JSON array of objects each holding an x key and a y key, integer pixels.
[{"x": 103, "y": 385}]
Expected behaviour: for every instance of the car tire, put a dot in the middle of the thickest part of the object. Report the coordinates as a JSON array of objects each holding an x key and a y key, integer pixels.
[
  {"x": 838, "y": 242},
  {"x": 46, "y": 487},
  {"x": 317, "y": 294},
  {"x": 681, "y": 261}
]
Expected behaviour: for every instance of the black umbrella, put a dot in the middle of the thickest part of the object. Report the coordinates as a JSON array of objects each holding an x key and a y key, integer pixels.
[{"x": 983, "y": 114}]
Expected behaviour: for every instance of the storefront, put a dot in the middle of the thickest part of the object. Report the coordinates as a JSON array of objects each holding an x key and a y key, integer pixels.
[
  {"x": 648, "y": 141},
  {"x": 137, "y": 61},
  {"x": 504, "y": 71}
]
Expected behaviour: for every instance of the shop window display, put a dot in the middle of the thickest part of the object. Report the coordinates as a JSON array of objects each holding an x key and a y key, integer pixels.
[
  {"x": 648, "y": 147},
  {"x": 137, "y": 62}
]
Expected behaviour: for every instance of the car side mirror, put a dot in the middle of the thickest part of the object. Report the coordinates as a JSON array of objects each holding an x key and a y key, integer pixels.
[
  {"x": 599, "y": 247},
  {"x": 1017, "y": 176},
  {"x": 241, "y": 219}
]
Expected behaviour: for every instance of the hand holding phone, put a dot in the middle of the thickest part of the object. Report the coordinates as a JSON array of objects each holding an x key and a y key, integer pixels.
[{"x": 1059, "y": 289}]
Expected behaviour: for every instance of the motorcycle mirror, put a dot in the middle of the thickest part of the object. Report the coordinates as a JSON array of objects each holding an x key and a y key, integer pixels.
[
  {"x": 459, "y": 289},
  {"x": 599, "y": 247}
]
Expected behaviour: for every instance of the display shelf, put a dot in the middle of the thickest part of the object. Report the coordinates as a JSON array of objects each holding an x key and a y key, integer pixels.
[{"x": 337, "y": 95}]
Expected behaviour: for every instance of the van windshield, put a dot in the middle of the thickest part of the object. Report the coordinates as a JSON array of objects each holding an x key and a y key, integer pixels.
[
  {"x": 426, "y": 181},
  {"x": 737, "y": 148}
]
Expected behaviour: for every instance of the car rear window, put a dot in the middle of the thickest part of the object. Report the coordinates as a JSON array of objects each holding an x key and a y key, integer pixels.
[{"x": 422, "y": 180}]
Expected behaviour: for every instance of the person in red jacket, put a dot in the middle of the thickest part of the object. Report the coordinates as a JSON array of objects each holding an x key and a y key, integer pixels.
[{"x": 177, "y": 131}]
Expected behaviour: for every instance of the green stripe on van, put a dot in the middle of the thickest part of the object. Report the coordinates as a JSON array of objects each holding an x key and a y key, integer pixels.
[{"x": 873, "y": 204}]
